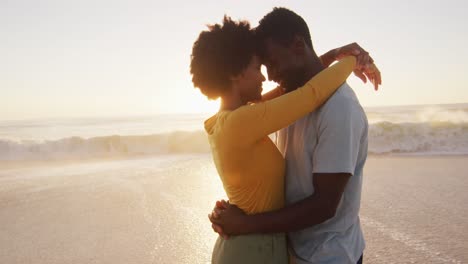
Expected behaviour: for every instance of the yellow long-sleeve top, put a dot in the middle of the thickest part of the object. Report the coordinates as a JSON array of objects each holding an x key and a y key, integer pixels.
[{"x": 248, "y": 162}]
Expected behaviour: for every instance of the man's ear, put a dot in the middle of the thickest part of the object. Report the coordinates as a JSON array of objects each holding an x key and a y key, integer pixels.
[{"x": 298, "y": 45}]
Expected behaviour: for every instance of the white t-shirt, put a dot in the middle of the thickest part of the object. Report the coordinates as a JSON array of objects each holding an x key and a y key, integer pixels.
[{"x": 332, "y": 139}]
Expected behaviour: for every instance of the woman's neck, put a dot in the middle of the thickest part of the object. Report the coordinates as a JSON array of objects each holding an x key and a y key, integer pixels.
[{"x": 230, "y": 104}]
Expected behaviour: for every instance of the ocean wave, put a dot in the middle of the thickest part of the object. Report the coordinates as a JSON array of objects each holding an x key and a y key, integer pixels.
[
  {"x": 106, "y": 146},
  {"x": 426, "y": 138},
  {"x": 384, "y": 138}
]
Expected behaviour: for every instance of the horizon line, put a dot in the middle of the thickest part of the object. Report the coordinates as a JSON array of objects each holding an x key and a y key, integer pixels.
[{"x": 194, "y": 113}]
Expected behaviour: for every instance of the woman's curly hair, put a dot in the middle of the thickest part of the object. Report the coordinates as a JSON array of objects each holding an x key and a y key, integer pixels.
[{"x": 219, "y": 53}]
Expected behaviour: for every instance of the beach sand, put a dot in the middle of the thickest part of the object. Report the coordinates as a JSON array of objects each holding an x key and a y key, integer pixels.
[
  {"x": 414, "y": 210},
  {"x": 154, "y": 210}
]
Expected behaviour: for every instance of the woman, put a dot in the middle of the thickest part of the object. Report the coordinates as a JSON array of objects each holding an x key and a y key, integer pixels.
[{"x": 224, "y": 64}]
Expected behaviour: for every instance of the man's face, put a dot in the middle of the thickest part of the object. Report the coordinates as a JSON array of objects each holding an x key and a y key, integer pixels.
[{"x": 284, "y": 65}]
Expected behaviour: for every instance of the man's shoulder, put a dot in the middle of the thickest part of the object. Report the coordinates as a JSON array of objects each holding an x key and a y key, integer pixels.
[
  {"x": 343, "y": 105},
  {"x": 344, "y": 95},
  {"x": 343, "y": 100}
]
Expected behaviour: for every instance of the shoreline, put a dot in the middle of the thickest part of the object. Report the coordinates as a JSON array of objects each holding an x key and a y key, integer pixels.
[{"x": 17, "y": 164}]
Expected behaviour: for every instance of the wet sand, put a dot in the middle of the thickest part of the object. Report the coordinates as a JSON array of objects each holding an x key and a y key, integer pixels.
[
  {"x": 154, "y": 210},
  {"x": 414, "y": 210}
]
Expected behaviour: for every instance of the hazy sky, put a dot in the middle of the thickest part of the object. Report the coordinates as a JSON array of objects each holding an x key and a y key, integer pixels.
[{"x": 112, "y": 58}]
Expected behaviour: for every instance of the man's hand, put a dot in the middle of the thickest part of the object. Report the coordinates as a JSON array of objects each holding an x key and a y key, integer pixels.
[
  {"x": 227, "y": 219},
  {"x": 219, "y": 207},
  {"x": 365, "y": 67}
]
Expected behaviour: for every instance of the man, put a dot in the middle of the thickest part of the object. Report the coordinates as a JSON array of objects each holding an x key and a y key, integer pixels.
[{"x": 325, "y": 153}]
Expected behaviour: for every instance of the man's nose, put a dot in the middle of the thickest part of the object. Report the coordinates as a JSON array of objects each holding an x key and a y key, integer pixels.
[{"x": 271, "y": 74}]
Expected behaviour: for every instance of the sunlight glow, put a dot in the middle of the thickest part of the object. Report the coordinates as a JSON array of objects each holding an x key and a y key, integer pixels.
[{"x": 88, "y": 58}]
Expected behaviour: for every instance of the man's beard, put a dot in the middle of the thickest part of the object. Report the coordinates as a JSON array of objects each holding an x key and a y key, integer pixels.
[{"x": 294, "y": 79}]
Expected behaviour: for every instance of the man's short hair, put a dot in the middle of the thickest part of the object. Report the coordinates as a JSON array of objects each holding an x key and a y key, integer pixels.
[
  {"x": 220, "y": 53},
  {"x": 281, "y": 25}
]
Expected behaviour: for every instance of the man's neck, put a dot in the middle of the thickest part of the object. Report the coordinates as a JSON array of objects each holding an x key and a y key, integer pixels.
[{"x": 313, "y": 67}]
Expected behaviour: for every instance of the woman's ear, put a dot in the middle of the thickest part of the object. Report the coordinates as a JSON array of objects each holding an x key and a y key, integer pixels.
[{"x": 236, "y": 78}]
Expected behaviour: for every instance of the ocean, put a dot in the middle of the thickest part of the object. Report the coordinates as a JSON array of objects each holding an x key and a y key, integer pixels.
[
  {"x": 404, "y": 130},
  {"x": 138, "y": 189}
]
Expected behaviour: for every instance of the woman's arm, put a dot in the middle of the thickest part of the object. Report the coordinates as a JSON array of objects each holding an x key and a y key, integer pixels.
[
  {"x": 250, "y": 123},
  {"x": 365, "y": 67},
  {"x": 329, "y": 57}
]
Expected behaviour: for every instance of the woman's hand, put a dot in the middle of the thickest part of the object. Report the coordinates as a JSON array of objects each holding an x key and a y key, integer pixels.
[
  {"x": 371, "y": 72},
  {"x": 365, "y": 66}
]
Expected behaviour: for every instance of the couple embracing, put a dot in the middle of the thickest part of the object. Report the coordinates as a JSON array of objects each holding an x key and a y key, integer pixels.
[{"x": 295, "y": 200}]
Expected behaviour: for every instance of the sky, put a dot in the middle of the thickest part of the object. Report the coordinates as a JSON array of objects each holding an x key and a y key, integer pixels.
[{"x": 102, "y": 58}]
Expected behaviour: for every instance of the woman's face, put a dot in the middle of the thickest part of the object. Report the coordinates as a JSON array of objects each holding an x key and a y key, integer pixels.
[{"x": 250, "y": 81}]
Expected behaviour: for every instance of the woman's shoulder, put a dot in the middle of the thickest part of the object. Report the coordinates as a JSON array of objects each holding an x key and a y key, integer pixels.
[{"x": 216, "y": 121}]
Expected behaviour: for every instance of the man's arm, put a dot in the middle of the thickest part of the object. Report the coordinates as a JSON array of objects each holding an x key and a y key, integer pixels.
[
  {"x": 310, "y": 211},
  {"x": 340, "y": 132}
]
